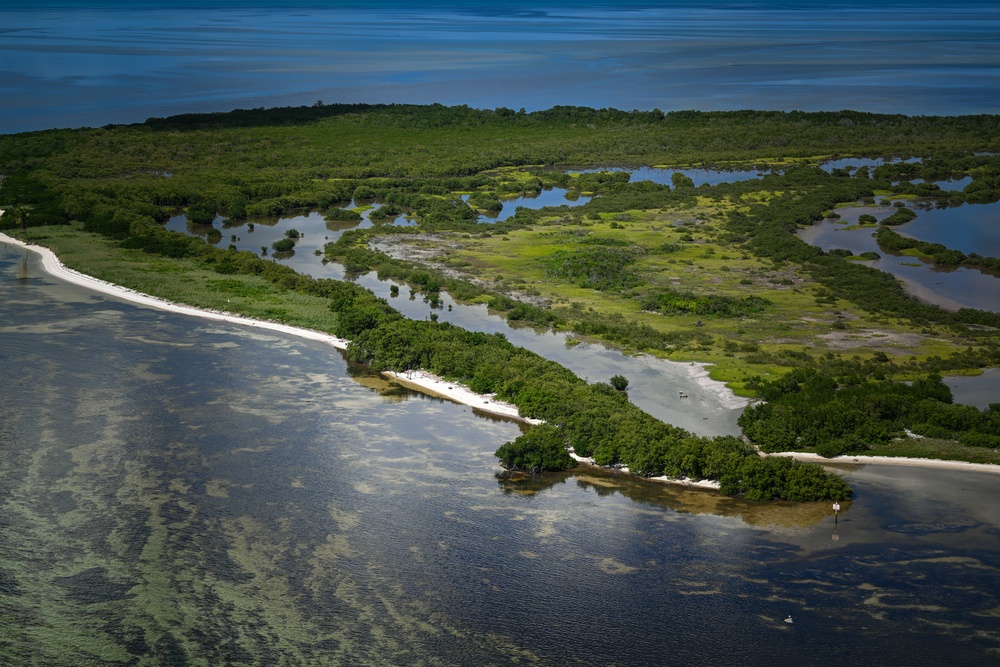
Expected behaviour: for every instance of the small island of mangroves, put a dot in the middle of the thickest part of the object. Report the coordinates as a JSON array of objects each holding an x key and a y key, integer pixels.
[{"x": 844, "y": 359}]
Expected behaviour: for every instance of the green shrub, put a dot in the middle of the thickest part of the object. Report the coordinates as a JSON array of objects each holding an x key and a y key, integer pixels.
[
  {"x": 283, "y": 245},
  {"x": 541, "y": 448}
]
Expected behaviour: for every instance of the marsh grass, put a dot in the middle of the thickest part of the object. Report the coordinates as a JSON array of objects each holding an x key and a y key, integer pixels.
[
  {"x": 184, "y": 280},
  {"x": 699, "y": 263}
]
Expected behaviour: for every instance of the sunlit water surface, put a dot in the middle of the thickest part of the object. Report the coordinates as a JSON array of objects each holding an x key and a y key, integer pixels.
[
  {"x": 176, "y": 491},
  {"x": 654, "y": 385}
]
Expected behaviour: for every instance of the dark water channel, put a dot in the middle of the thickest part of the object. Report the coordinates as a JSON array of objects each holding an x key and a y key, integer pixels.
[{"x": 180, "y": 492}]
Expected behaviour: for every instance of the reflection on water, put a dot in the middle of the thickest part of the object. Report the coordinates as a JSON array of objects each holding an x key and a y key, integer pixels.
[
  {"x": 547, "y": 197},
  {"x": 977, "y": 390},
  {"x": 775, "y": 516},
  {"x": 699, "y": 177},
  {"x": 952, "y": 289},
  {"x": 969, "y": 228},
  {"x": 654, "y": 385},
  {"x": 952, "y": 185},
  {"x": 853, "y": 163},
  {"x": 177, "y": 491}
]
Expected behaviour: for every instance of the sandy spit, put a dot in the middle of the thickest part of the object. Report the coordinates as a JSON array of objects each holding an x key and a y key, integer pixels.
[
  {"x": 894, "y": 460},
  {"x": 436, "y": 386},
  {"x": 419, "y": 380}
]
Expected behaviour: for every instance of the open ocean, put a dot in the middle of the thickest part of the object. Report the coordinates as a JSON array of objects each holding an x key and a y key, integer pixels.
[{"x": 72, "y": 64}]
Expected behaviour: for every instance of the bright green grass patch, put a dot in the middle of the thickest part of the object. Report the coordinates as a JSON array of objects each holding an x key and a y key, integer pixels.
[
  {"x": 183, "y": 280},
  {"x": 695, "y": 264}
]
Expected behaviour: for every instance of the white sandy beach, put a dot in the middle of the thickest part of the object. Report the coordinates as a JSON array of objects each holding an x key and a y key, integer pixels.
[
  {"x": 681, "y": 481},
  {"x": 893, "y": 460},
  {"x": 431, "y": 384},
  {"x": 419, "y": 380},
  {"x": 436, "y": 386}
]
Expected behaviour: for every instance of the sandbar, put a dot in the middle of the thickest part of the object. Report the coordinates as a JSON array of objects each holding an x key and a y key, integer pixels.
[{"x": 710, "y": 484}]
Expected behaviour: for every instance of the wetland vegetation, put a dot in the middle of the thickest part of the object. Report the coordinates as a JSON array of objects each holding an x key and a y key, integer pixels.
[{"x": 710, "y": 273}]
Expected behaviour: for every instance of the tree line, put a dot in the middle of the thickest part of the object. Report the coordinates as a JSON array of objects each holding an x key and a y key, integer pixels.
[{"x": 810, "y": 410}]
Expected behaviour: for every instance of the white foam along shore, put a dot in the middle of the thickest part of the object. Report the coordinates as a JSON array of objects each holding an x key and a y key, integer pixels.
[{"x": 419, "y": 380}]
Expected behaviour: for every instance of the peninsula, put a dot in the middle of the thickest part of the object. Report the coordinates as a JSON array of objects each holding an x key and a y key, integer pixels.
[{"x": 712, "y": 274}]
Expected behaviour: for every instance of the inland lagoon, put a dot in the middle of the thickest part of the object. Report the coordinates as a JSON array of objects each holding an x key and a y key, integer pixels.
[
  {"x": 654, "y": 384},
  {"x": 966, "y": 226},
  {"x": 178, "y": 491}
]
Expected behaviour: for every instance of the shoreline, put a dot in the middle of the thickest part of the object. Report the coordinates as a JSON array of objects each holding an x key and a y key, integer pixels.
[
  {"x": 433, "y": 385},
  {"x": 418, "y": 380},
  {"x": 699, "y": 373},
  {"x": 707, "y": 484},
  {"x": 428, "y": 383},
  {"x": 850, "y": 459}
]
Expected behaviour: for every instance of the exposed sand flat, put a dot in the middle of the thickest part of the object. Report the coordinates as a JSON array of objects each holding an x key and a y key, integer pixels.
[{"x": 727, "y": 399}]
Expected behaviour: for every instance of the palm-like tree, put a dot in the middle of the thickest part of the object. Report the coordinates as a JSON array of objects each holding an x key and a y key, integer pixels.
[{"x": 19, "y": 216}]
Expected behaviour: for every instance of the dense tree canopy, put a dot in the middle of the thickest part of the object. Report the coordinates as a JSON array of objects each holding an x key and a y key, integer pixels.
[{"x": 441, "y": 166}]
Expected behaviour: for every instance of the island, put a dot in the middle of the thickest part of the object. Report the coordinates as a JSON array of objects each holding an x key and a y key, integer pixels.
[{"x": 836, "y": 356}]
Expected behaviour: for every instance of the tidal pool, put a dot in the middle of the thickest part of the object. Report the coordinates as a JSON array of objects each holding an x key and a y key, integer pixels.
[
  {"x": 177, "y": 491},
  {"x": 547, "y": 197}
]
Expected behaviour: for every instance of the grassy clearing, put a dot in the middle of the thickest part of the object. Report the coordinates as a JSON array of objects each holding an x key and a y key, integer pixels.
[
  {"x": 183, "y": 280},
  {"x": 932, "y": 448},
  {"x": 684, "y": 253}
]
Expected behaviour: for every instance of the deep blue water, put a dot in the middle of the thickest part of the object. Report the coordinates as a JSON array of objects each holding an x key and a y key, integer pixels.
[{"x": 70, "y": 64}]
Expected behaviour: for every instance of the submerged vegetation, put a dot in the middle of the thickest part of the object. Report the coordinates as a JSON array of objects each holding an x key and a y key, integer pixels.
[{"x": 706, "y": 273}]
